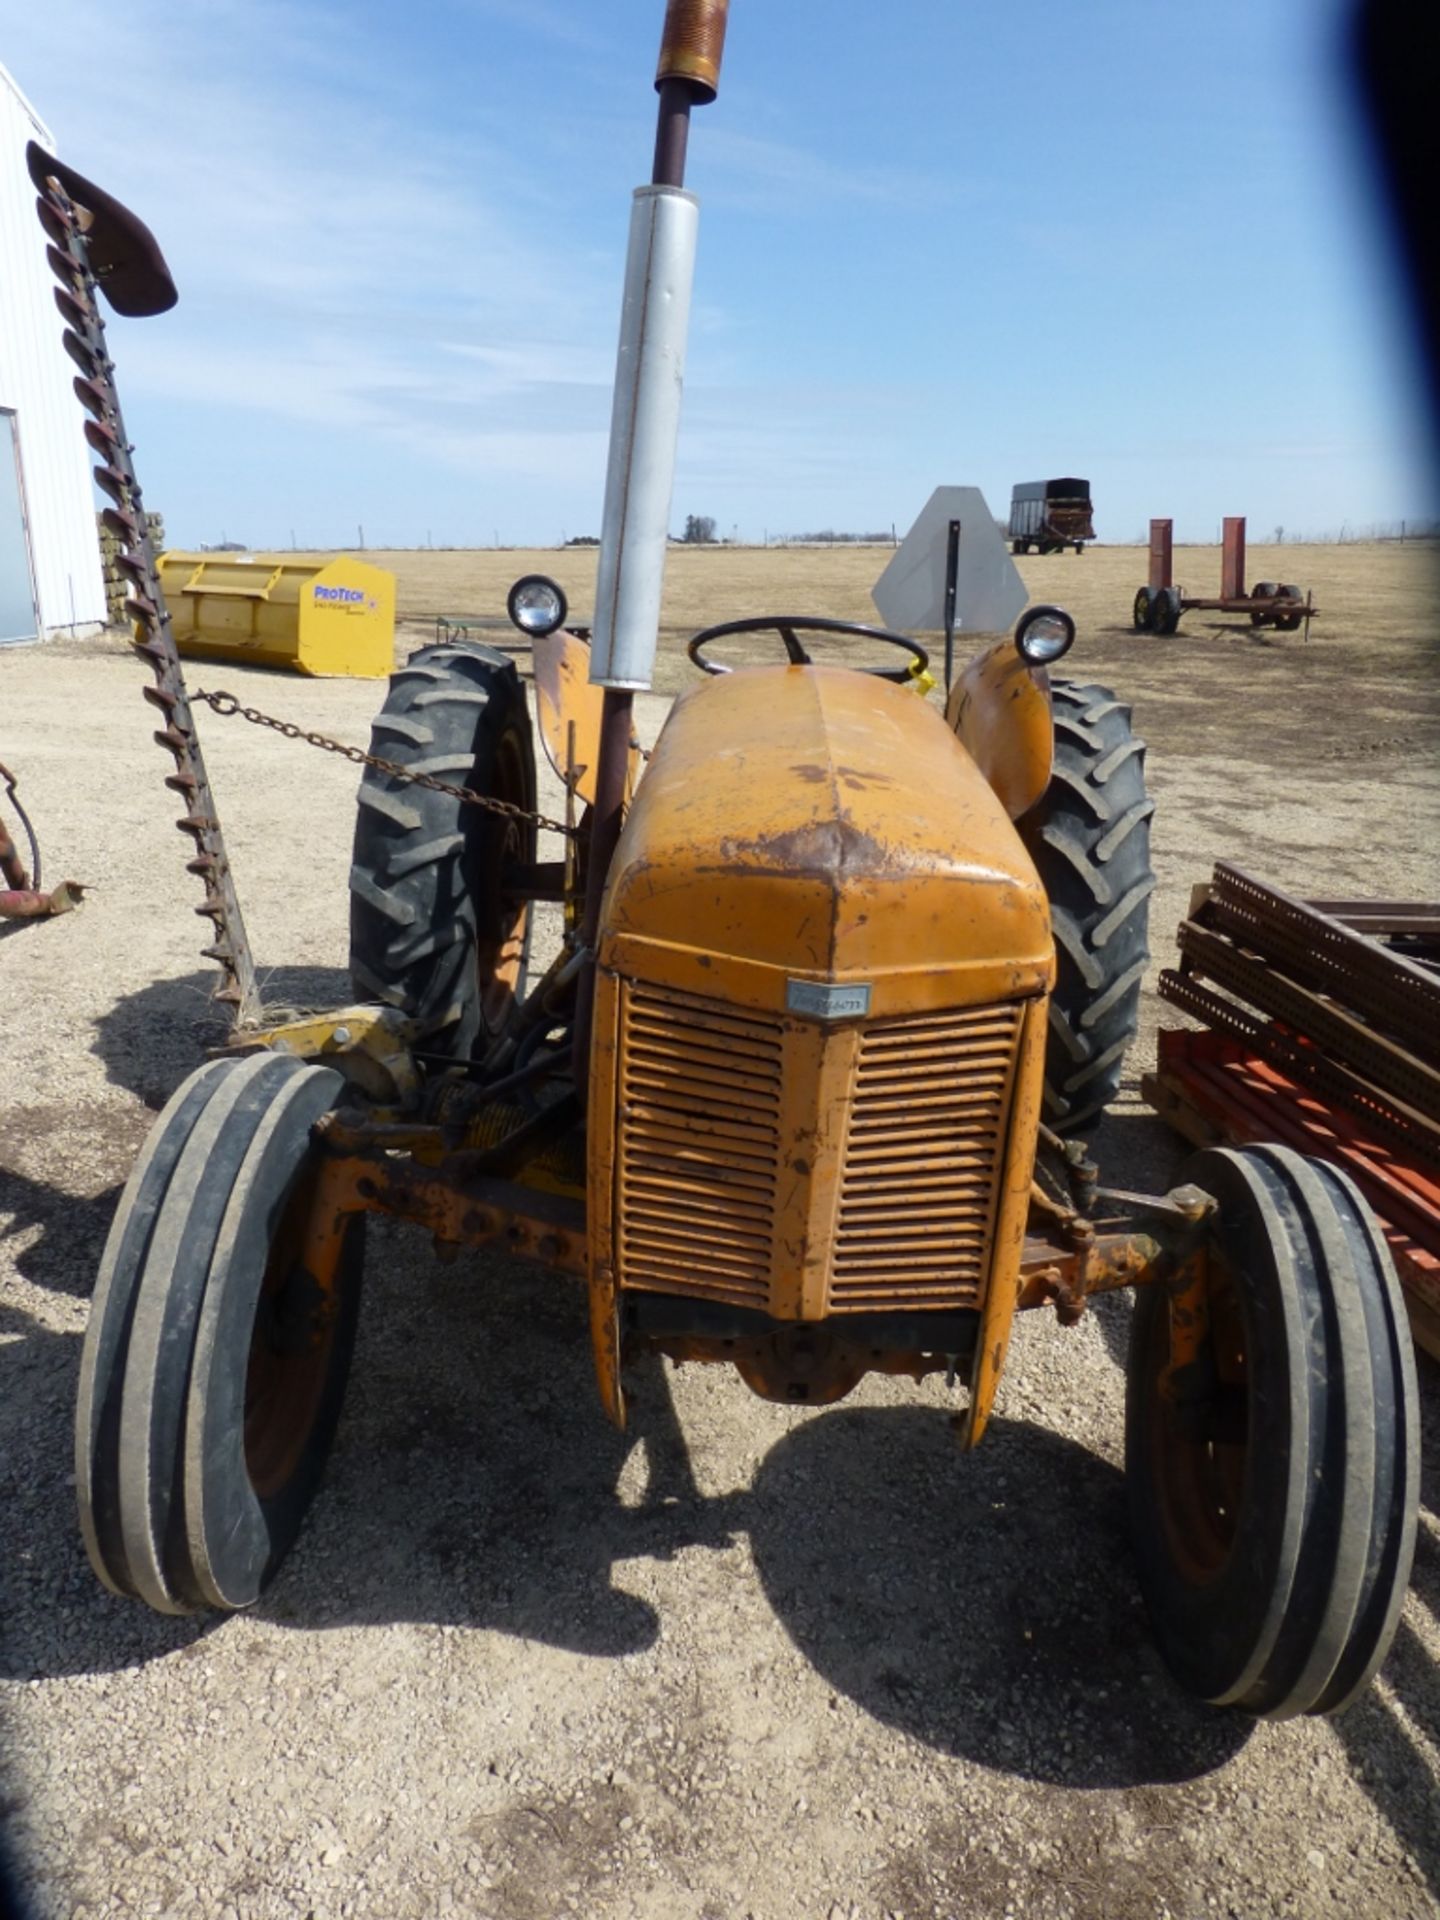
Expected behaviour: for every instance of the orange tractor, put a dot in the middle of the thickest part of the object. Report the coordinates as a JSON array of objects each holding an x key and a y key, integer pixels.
[{"x": 845, "y": 984}]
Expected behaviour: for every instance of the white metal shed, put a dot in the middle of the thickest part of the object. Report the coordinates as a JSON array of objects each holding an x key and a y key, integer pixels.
[{"x": 50, "y": 574}]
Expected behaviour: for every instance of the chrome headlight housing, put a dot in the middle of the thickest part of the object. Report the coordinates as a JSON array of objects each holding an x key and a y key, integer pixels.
[
  {"x": 1044, "y": 635},
  {"x": 536, "y": 605}
]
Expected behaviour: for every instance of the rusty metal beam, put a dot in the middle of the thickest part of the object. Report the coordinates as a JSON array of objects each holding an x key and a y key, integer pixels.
[
  {"x": 1162, "y": 553},
  {"x": 1304, "y": 1063},
  {"x": 1321, "y": 952},
  {"x": 1232, "y": 558},
  {"x": 1208, "y": 1089},
  {"x": 548, "y": 1228},
  {"x": 1342, "y": 1035}
]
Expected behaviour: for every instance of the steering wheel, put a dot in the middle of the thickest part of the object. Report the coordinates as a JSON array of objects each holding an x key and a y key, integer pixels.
[{"x": 789, "y": 625}]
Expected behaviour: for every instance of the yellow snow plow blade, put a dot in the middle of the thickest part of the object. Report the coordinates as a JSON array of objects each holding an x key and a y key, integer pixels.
[{"x": 314, "y": 612}]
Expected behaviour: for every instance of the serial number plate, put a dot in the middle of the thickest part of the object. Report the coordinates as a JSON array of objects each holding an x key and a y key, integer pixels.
[{"x": 823, "y": 1002}]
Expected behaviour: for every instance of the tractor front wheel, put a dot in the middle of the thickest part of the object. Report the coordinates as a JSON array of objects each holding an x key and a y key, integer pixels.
[
  {"x": 432, "y": 929},
  {"x": 1089, "y": 836},
  {"x": 1272, "y": 1449},
  {"x": 220, "y": 1335}
]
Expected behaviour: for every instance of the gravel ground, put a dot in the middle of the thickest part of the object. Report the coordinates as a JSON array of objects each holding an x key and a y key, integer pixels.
[{"x": 745, "y": 1660}]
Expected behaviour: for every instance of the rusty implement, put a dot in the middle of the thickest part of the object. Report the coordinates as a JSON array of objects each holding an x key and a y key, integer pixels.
[
  {"x": 29, "y": 903},
  {"x": 22, "y": 897},
  {"x": 95, "y": 243},
  {"x": 1159, "y": 604},
  {"x": 1323, "y": 1031}
]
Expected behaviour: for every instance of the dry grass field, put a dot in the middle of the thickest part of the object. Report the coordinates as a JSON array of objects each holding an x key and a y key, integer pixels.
[
  {"x": 747, "y": 1660},
  {"x": 1370, "y": 595}
]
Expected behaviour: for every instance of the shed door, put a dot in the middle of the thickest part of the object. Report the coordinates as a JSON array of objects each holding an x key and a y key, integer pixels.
[{"x": 17, "y": 587}]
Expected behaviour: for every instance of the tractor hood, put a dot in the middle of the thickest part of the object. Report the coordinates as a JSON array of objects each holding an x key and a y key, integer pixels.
[{"x": 820, "y": 825}]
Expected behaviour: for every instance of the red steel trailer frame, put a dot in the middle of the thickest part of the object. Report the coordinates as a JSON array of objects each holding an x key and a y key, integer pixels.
[{"x": 1159, "y": 603}]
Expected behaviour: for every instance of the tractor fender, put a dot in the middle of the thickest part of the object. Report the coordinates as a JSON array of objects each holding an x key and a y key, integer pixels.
[
  {"x": 999, "y": 709},
  {"x": 565, "y": 695}
]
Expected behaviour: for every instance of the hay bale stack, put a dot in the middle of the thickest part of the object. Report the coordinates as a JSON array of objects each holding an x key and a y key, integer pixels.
[{"x": 117, "y": 584}]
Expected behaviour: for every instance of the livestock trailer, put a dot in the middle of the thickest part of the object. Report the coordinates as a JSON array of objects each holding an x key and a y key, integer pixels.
[{"x": 1050, "y": 515}]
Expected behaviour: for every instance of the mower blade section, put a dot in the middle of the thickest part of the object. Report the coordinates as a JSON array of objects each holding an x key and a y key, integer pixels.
[{"x": 84, "y": 339}]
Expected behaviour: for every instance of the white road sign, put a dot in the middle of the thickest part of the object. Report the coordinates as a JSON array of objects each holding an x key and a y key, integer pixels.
[{"x": 989, "y": 593}]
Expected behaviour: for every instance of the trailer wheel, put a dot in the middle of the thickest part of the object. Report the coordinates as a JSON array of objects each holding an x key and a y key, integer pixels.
[
  {"x": 431, "y": 929},
  {"x": 1273, "y": 1477},
  {"x": 1089, "y": 837},
  {"x": 1263, "y": 590},
  {"x": 1166, "y": 610},
  {"x": 1019, "y": 546},
  {"x": 215, "y": 1361},
  {"x": 1290, "y": 622},
  {"x": 1142, "y": 612}
]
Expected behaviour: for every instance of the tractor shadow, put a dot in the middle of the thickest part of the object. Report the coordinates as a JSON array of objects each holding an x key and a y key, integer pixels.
[
  {"x": 1134, "y": 1150},
  {"x": 54, "y": 1614},
  {"x": 476, "y": 1484},
  {"x": 983, "y": 1604},
  {"x": 149, "y": 1041},
  {"x": 1386, "y": 1758}
]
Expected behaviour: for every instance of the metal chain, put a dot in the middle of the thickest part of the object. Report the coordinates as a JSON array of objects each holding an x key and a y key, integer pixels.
[{"x": 226, "y": 704}]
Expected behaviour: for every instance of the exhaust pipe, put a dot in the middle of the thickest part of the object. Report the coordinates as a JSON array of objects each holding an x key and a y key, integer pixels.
[
  {"x": 644, "y": 427},
  {"x": 650, "y": 363},
  {"x": 644, "y": 424}
]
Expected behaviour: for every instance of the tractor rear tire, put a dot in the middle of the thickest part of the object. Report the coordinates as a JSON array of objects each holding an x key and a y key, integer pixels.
[
  {"x": 1273, "y": 1481},
  {"x": 214, "y": 1365},
  {"x": 431, "y": 929},
  {"x": 1089, "y": 837}
]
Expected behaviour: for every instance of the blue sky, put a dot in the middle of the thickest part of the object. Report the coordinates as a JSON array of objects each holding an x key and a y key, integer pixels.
[{"x": 968, "y": 241}]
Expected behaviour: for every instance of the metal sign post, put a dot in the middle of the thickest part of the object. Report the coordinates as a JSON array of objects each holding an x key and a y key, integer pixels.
[{"x": 952, "y": 569}]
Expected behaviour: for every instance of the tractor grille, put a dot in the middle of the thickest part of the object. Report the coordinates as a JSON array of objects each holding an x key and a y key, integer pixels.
[
  {"x": 923, "y": 1160},
  {"x": 699, "y": 1147},
  {"x": 701, "y": 1140}
]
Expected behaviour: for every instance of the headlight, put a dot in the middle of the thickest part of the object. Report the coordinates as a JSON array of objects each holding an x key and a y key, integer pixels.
[
  {"x": 1044, "y": 635},
  {"x": 536, "y": 605}
]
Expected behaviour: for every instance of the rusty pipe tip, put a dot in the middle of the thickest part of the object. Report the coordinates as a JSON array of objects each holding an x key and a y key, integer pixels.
[{"x": 692, "y": 45}]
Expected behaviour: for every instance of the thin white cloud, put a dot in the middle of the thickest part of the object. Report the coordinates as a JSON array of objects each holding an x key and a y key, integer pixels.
[
  {"x": 330, "y": 263},
  {"x": 760, "y": 172}
]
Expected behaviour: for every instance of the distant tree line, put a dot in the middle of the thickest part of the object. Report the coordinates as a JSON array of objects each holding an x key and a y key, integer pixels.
[
  {"x": 830, "y": 538},
  {"x": 1347, "y": 535}
]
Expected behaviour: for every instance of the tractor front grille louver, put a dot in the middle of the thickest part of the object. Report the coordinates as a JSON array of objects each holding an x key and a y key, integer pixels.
[
  {"x": 699, "y": 1147},
  {"x": 901, "y": 1215},
  {"x": 922, "y": 1163}
]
